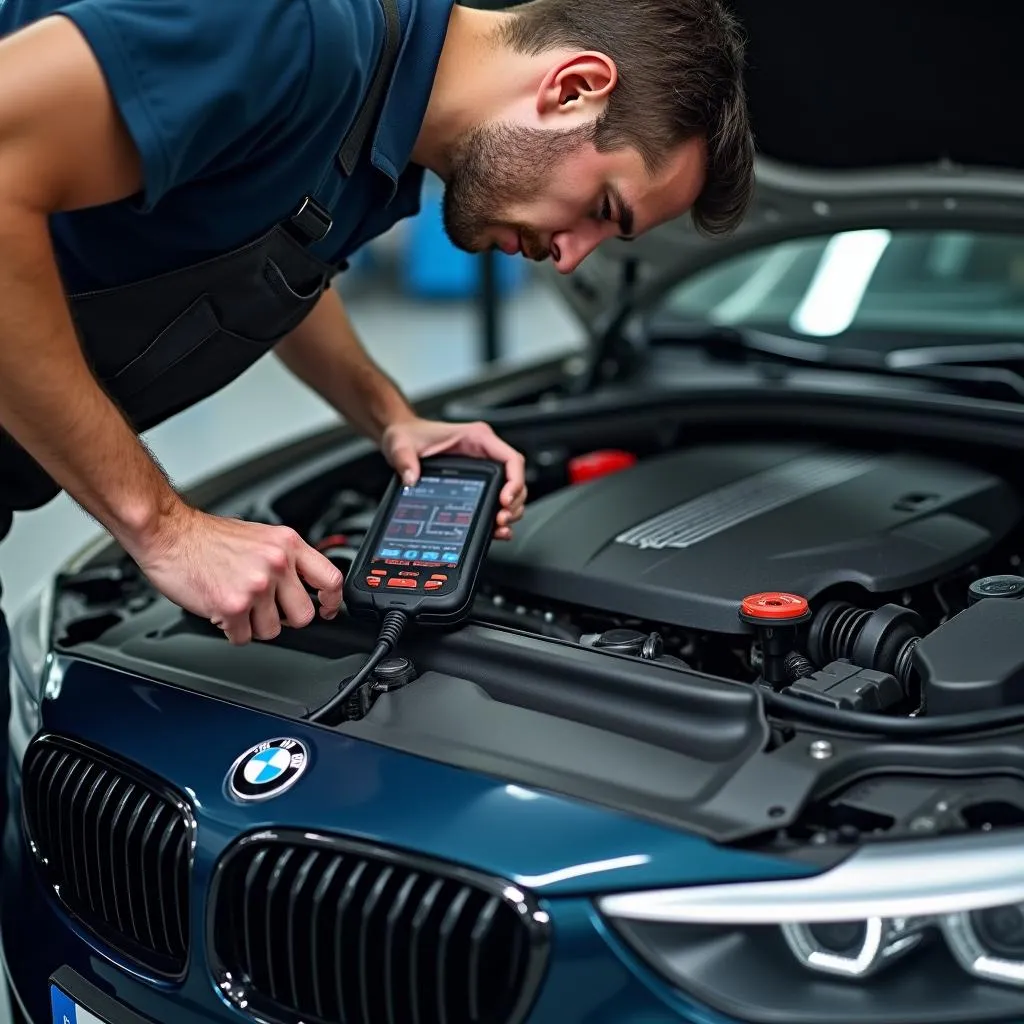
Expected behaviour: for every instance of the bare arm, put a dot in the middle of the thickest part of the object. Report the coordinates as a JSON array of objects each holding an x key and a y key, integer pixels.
[
  {"x": 63, "y": 146},
  {"x": 325, "y": 354}
]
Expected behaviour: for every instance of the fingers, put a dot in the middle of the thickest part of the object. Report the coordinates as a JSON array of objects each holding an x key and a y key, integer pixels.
[
  {"x": 294, "y": 603},
  {"x": 265, "y": 619},
  {"x": 320, "y": 572},
  {"x": 493, "y": 447},
  {"x": 272, "y": 594},
  {"x": 513, "y": 493},
  {"x": 402, "y": 455},
  {"x": 237, "y": 628},
  {"x": 330, "y": 603},
  {"x": 317, "y": 569}
]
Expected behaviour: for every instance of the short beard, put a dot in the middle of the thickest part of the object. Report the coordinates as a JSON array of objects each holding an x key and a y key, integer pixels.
[{"x": 495, "y": 167}]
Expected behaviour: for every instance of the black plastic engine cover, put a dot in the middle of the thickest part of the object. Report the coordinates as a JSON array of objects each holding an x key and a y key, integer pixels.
[{"x": 682, "y": 538}]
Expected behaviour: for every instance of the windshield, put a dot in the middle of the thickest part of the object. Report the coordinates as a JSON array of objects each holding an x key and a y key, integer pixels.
[{"x": 894, "y": 286}]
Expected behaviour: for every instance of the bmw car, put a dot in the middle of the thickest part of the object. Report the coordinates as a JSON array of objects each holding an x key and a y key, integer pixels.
[{"x": 734, "y": 728}]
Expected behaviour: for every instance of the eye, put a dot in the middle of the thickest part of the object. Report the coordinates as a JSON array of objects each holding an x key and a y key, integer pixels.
[{"x": 606, "y": 208}]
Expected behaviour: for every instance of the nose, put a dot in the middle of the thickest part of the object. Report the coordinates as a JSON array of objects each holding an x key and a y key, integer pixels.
[{"x": 570, "y": 248}]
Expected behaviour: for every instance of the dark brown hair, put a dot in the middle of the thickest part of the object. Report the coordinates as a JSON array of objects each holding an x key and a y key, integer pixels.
[{"x": 680, "y": 76}]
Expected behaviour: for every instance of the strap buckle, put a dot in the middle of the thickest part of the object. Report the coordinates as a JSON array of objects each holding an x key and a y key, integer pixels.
[{"x": 312, "y": 220}]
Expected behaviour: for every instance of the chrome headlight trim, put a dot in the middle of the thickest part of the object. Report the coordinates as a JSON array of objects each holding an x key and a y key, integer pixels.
[
  {"x": 884, "y": 941},
  {"x": 927, "y": 877},
  {"x": 971, "y": 953}
]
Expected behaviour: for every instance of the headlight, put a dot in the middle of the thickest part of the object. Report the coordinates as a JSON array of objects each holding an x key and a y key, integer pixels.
[
  {"x": 930, "y": 930},
  {"x": 31, "y": 639},
  {"x": 30, "y": 667},
  {"x": 989, "y": 943},
  {"x": 855, "y": 949}
]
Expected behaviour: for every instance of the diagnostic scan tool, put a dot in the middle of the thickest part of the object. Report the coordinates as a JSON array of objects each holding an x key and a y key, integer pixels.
[
  {"x": 423, "y": 552},
  {"x": 421, "y": 558}
]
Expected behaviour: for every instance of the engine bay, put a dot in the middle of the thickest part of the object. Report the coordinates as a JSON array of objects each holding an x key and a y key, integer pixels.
[
  {"x": 768, "y": 641},
  {"x": 862, "y": 580}
]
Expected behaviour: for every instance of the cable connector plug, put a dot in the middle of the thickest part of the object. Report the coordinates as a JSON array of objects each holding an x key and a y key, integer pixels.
[{"x": 391, "y": 629}]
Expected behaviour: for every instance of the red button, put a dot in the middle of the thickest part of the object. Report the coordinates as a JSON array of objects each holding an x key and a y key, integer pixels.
[
  {"x": 438, "y": 576},
  {"x": 398, "y": 582},
  {"x": 413, "y": 574},
  {"x": 373, "y": 581},
  {"x": 433, "y": 585},
  {"x": 378, "y": 572}
]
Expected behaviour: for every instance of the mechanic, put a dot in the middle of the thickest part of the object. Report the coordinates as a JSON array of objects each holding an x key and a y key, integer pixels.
[{"x": 181, "y": 179}]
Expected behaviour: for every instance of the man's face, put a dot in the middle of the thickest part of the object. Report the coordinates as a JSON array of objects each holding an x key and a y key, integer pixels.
[{"x": 548, "y": 193}]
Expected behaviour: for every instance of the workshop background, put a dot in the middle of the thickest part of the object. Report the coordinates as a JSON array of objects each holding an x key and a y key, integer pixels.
[{"x": 419, "y": 306}]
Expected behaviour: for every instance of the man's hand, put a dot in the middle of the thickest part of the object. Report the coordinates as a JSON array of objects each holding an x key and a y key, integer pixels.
[
  {"x": 406, "y": 442},
  {"x": 246, "y": 578}
]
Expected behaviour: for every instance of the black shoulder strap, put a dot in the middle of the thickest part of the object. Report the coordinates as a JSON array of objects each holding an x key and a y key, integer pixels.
[
  {"x": 352, "y": 144},
  {"x": 311, "y": 222}
]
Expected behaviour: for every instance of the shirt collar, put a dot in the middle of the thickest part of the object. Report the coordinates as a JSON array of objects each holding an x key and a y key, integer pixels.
[{"x": 424, "y": 26}]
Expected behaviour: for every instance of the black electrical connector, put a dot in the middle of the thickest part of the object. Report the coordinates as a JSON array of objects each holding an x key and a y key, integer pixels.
[{"x": 848, "y": 687}]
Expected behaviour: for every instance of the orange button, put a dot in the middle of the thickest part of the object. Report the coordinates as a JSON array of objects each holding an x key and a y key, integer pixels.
[
  {"x": 433, "y": 585},
  {"x": 438, "y": 576},
  {"x": 399, "y": 582},
  {"x": 373, "y": 581},
  {"x": 378, "y": 572}
]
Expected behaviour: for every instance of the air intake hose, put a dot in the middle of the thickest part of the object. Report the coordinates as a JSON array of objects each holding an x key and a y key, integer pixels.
[{"x": 883, "y": 639}]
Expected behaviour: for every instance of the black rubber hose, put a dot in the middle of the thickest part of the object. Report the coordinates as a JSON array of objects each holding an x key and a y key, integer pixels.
[
  {"x": 903, "y": 728},
  {"x": 798, "y": 666}
]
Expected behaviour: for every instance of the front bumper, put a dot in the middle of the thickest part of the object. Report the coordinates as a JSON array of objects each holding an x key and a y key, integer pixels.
[
  {"x": 590, "y": 977},
  {"x": 560, "y": 851}
]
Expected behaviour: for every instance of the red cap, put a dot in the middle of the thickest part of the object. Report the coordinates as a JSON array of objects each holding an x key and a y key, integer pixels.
[
  {"x": 774, "y": 606},
  {"x": 600, "y": 463}
]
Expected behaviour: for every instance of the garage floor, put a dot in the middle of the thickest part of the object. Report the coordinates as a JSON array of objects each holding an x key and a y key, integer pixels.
[{"x": 422, "y": 345}]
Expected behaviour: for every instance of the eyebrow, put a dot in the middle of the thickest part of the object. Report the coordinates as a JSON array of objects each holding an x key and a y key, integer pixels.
[{"x": 625, "y": 215}]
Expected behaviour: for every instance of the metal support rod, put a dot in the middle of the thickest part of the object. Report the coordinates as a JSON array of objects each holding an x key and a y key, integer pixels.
[{"x": 489, "y": 303}]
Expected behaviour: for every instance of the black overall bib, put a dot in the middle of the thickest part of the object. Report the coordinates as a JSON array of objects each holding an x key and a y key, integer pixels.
[{"x": 165, "y": 343}]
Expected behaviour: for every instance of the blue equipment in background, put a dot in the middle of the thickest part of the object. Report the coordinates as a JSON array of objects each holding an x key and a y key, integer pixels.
[{"x": 433, "y": 268}]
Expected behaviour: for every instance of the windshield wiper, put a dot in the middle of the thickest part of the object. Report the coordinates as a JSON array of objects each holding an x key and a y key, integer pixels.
[{"x": 984, "y": 370}]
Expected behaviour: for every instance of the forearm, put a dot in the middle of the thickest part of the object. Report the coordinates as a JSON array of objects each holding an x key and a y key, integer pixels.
[
  {"x": 51, "y": 404},
  {"x": 326, "y": 355}
]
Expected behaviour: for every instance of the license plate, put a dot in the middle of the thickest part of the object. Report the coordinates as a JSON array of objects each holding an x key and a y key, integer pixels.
[
  {"x": 74, "y": 1000},
  {"x": 67, "y": 1011}
]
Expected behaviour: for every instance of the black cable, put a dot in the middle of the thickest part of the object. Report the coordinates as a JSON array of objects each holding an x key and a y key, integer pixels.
[
  {"x": 902, "y": 728},
  {"x": 387, "y": 639}
]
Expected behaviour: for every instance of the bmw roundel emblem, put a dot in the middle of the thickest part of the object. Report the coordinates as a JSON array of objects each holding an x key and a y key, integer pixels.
[{"x": 268, "y": 769}]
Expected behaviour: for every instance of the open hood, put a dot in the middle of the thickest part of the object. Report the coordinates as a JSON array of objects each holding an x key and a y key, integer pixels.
[{"x": 884, "y": 113}]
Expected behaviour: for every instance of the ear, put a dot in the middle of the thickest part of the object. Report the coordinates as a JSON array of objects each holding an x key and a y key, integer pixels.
[{"x": 577, "y": 86}]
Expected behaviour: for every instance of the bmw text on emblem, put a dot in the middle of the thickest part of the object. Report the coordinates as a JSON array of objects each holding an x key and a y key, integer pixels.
[{"x": 267, "y": 769}]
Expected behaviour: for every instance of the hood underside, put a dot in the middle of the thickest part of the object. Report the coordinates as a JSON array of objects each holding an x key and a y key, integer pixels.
[
  {"x": 884, "y": 83},
  {"x": 886, "y": 113}
]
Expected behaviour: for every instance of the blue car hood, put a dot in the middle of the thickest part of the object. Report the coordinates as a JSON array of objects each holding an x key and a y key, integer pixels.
[{"x": 551, "y": 844}]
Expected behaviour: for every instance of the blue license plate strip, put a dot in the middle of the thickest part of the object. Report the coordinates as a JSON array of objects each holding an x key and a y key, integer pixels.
[{"x": 66, "y": 1011}]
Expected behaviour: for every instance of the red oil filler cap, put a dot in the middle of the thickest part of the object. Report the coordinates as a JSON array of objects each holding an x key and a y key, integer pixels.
[
  {"x": 599, "y": 463},
  {"x": 775, "y": 617},
  {"x": 774, "y": 608}
]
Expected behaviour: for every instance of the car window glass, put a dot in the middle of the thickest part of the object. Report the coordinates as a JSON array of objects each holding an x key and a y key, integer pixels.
[{"x": 863, "y": 282}]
